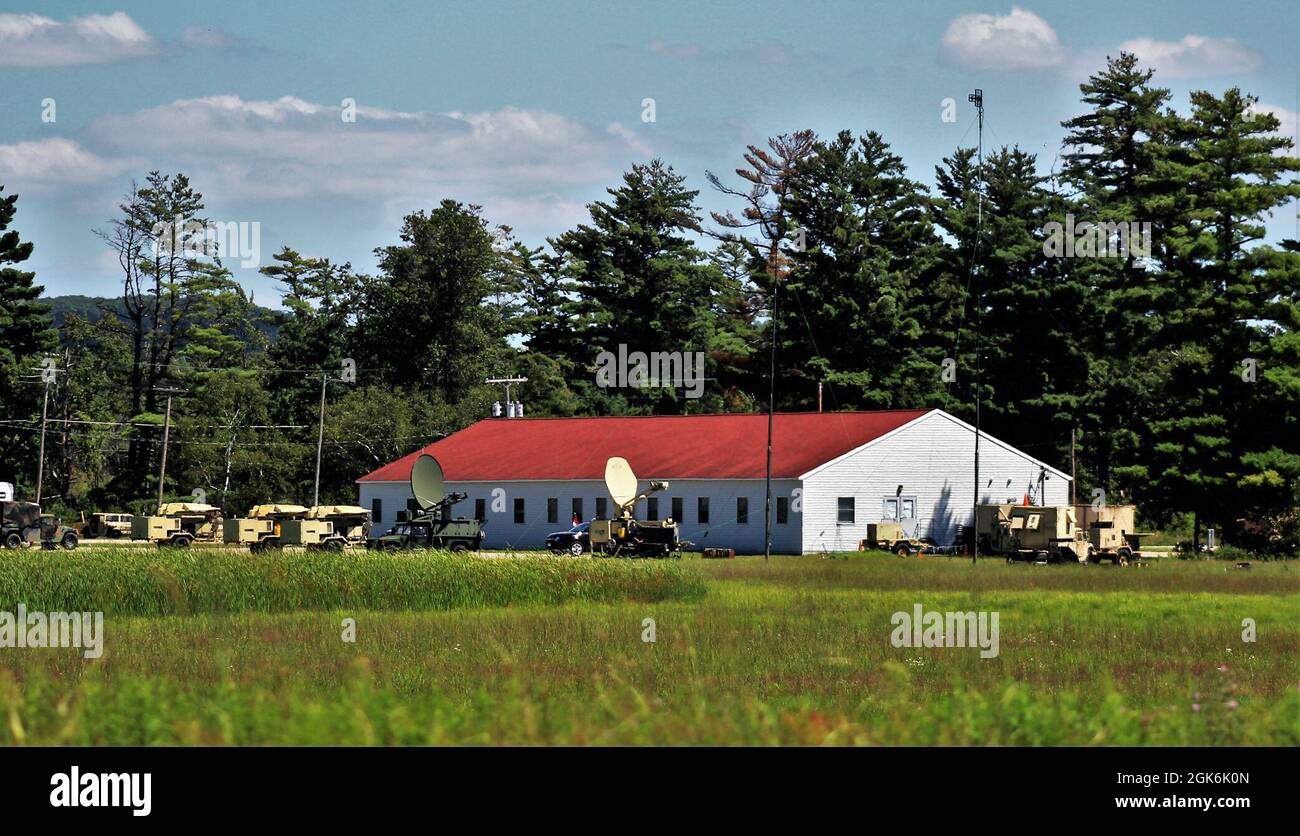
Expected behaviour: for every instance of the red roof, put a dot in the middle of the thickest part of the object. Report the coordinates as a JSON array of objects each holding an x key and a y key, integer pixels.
[{"x": 725, "y": 446}]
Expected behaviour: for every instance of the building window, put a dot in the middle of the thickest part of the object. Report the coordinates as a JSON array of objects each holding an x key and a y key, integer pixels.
[
  {"x": 742, "y": 510},
  {"x": 846, "y": 511},
  {"x": 652, "y": 508},
  {"x": 782, "y": 510},
  {"x": 602, "y": 505},
  {"x": 891, "y": 509},
  {"x": 480, "y": 509},
  {"x": 702, "y": 510},
  {"x": 376, "y": 510},
  {"x": 552, "y": 510},
  {"x": 677, "y": 509},
  {"x": 577, "y": 508},
  {"x": 519, "y": 510}
]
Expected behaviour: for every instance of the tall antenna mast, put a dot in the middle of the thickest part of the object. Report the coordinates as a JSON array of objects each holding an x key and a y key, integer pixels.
[{"x": 977, "y": 99}]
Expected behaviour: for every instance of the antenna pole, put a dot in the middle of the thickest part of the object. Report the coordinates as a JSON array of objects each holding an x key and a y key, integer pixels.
[
  {"x": 775, "y": 269},
  {"x": 977, "y": 99}
]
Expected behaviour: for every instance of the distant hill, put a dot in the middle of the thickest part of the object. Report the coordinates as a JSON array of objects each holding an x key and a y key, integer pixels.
[{"x": 94, "y": 308}]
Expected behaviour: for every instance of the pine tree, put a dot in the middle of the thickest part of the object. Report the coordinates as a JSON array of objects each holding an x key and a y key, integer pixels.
[
  {"x": 851, "y": 314},
  {"x": 642, "y": 283},
  {"x": 26, "y": 333},
  {"x": 1235, "y": 296},
  {"x": 1111, "y": 157}
]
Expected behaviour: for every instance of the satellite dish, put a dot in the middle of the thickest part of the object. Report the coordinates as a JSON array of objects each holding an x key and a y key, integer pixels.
[
  {"x": 620, "y": 480},
  {"x": 427, "y": 482}
]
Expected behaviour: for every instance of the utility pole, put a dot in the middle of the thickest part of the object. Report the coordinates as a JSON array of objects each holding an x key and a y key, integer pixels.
[
  {"x": 977, "y": 99},
  {"x": 509, "y": 411},
  {"x": 1073, "y": 489},
  {"x": 40, "y": 468},
  {"x": 320, "y": 440},
  {"x": 167, "y": 430},
  {"x": 49, "y": 371}
]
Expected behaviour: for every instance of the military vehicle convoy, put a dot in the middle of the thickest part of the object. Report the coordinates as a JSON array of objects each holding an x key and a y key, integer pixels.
[
  {"x": 1064, "y": 533},
  {"x": 429, "y": 525},
  {"x": 626, "y": 536},
  {"x": 23, "y": 524}
]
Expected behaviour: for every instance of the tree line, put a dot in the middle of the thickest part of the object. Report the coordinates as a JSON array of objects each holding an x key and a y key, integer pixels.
[{"x": 1169, "y": 367}]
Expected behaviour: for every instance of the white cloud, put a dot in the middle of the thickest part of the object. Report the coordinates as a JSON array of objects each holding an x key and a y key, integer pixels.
[
  {"x": 51, "y": 163},
  {"x": 1019, "y": 40},
  {"x": 1194, "y": 56},
  {"x": 290, "y": 148},
  {"x": 31, "y": 40}
]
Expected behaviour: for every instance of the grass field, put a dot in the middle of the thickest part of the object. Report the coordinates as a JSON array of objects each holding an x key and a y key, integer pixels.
[{"x": 541, "y": 650}]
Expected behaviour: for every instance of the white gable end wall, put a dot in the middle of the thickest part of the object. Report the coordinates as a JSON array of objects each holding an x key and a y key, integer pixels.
[{"x": 933, "y": 459}]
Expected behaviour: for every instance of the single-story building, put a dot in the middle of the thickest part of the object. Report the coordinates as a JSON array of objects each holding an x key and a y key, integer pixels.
[{"x": 833, "y": 473}]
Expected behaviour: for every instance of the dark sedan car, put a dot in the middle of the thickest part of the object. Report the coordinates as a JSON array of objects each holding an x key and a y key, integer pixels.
[{"x": 575, "y": 541}]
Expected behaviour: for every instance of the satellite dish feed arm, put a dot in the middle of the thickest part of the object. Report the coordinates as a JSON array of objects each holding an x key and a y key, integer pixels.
[{"x": 655, "y": 487}]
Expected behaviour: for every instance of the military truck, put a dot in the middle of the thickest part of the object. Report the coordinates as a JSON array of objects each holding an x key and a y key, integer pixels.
[
  {"x": 1110, "y": 533},
  {"x": 262, "y": 528},
  {"x": 429, "y": 524},
  {"x": 109, "y": 525},
  {"x": 23, "y": 524},
  {"x": 625, "y": 536},
  {"x": 178, "y": 524}
]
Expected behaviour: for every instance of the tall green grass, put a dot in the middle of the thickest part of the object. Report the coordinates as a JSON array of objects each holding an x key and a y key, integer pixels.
[
  {"x": 173, "y": 582},
  {"x": 156, "y": 711}
]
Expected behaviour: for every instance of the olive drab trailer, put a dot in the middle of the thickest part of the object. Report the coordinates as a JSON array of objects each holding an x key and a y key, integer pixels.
[
  {"x": 625, "y": 536},
  {"x": 430, "y": 525},
  {"x": 263, "y": 527},
  {"x": 179, "y": 524}
]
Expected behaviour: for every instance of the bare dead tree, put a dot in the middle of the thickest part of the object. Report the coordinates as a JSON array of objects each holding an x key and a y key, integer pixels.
[{"x": 769, "y": 174}]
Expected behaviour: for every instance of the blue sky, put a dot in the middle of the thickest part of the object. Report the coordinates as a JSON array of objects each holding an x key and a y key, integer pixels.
[{"x": 533, "y": 109}]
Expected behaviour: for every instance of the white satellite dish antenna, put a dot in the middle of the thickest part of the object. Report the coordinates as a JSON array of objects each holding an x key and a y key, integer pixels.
[{"x": 620, "y": 481}]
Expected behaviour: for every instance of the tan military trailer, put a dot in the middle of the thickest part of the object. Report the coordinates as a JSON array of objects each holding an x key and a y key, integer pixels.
[
  {"x": 1030, "y": 532},
  {"x": 331, "y": 527},
  {"x": 624, "y": 535},
  {"x": 890, "y": 537},
  {"x": 179, "y": 524},
  {"x": 1109, "y": 533},
  {"x": 263, "y": 527}
]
